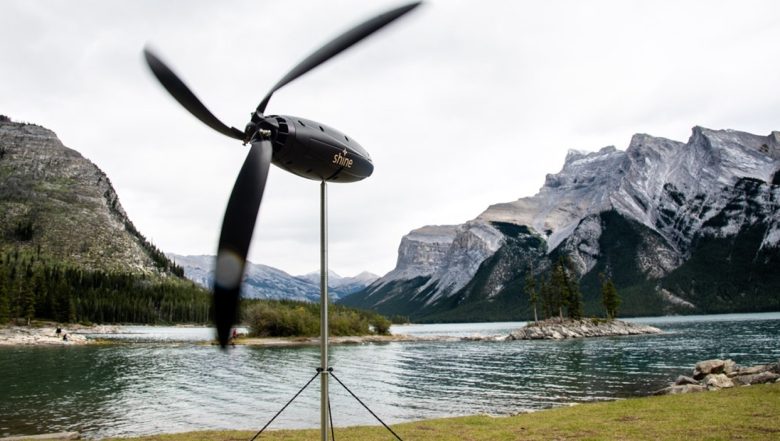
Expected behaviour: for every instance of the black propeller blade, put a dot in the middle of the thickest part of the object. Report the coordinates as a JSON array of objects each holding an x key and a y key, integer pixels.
[
  {"x": 185, "y": 97},
  {"x": 237, "y": 228},
  {"x": 337, "y": 45}
]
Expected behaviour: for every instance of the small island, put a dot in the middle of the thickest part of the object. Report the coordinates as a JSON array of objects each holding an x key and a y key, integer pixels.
[
  {"x": 558, "y": 329},
  {"x": 559, "y": 296}
]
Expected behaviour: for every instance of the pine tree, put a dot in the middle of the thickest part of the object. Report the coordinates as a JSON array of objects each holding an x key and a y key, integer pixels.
[
  {"x": 559, "y": 288},
  {"x": 28, "y": 302},
  {"x": 546, "y": 294},
  {"x": 5, "y": 310},
  {"x": 609, "y": 297},
  {"x": 573, "y": 294},
  {"x": 533, "y": 296}
]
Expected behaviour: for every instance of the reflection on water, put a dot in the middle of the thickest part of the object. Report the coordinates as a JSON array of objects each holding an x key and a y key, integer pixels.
[{"x": 168, "y": 382}]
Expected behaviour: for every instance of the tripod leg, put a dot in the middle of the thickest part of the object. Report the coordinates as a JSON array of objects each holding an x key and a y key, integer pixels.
[
  {"x": 363, "y": 404},
  {"x": 285, "y": 406}
]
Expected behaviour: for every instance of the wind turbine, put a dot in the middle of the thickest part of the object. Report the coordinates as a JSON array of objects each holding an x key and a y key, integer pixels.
[{"x": 300, "y": 146}]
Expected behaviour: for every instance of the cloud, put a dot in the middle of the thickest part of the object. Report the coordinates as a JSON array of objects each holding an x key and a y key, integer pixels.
[{"x": 463, "y": 104}]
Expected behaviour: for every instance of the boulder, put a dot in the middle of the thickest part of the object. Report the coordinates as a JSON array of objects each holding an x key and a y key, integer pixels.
[
  {"x": 681, "y": 389},
  {"x": 718, "y": 381},
  {"x": 682, "y": 379},
  {"x": 714, "y": 366},
  {"x": 752, "y": 370},
  {"x": 760, "y": 378}
]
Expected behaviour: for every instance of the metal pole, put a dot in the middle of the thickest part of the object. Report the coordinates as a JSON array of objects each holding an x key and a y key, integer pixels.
[{"x": 324, "y": 419}]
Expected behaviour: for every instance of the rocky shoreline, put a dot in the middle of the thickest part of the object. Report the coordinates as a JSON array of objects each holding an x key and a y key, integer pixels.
[
  {"x": 47, "y": 335},
  {"x": 719, "y": 374},
  {"x": 556, "y": 329},
  {"x": 544, "y": 330}
]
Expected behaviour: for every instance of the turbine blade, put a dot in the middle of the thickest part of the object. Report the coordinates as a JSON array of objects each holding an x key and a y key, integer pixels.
[
  {"x": 237, "y": 228},
  {"x": 185, "y": 97},
  {"x": 337, "y": 45}
]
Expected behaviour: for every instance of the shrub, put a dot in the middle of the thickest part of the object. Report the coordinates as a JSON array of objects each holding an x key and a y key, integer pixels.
[{"x": 285, "y": 318}]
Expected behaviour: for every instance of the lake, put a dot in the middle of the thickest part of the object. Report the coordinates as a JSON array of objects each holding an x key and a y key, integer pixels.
[{"x": 164, "y": 380}]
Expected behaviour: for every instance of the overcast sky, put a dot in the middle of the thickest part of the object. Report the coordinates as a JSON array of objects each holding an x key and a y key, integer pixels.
[{"x": 462, "y": 104}]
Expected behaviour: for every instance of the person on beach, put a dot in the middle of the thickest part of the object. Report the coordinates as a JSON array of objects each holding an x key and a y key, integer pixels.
[
  {"x": 58, "y": 331},
  {"x": 64, "y": 337}
]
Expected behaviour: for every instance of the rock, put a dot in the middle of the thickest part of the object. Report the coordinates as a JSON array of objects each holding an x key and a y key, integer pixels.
[
  {"x": 682, "y": 379},
  {"x": 717, "y": 374},
  {"x": 760, "y": 378},
  {"x": 681, "y": 389},
  {"x": 714, "y": 366},
  {"x": 718, "y": 381},
  {"x": 752, "y": 370}
]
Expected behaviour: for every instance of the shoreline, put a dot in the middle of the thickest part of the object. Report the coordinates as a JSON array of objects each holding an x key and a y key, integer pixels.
[
  {"x": 47, "y": 335},
  {"x": 751, "y": 410},
  {"x": 363, "y": 339},
  {"x": 79, "y": 335},
  {"x": 44, "y": 334}
]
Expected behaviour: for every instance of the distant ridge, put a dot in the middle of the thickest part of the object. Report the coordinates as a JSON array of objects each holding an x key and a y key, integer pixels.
[{"x": 265, "y": 282}]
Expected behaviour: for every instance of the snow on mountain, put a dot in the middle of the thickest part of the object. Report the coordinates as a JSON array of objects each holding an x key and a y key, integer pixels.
[
  {"x": 654, "y": 180},
  {"x": 341, "y": 286},
  {"x": 314, "y": 277},
  {"x": 265, "y": 282}
]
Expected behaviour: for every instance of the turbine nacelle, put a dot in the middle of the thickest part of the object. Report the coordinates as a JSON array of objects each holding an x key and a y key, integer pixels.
[{"x": 315, "y": 151}]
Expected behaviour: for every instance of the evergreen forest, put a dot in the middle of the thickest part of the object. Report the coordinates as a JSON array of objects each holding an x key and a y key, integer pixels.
[{"x": 33, "y": 286}]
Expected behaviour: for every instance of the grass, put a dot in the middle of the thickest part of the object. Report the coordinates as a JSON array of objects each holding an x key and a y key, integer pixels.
[{"x": 744, "y": 413}]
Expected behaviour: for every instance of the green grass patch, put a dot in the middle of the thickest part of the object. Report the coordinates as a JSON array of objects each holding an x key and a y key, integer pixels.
[{"x": 744, "y": 413}]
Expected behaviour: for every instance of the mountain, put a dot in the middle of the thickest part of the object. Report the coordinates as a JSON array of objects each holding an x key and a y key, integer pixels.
[
  {"x": 265, "y": 282},
  {"x": 58, "y": 203},
  {"x": 69, "y": 252},
  {"x": 680, "y": 227},
  {"x": 342, "y": 286}
]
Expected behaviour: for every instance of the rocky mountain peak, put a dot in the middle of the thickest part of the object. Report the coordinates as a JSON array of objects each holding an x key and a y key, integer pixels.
[
  {"x": 422, "y": 251},
  {"x": 51, "y": 196}
]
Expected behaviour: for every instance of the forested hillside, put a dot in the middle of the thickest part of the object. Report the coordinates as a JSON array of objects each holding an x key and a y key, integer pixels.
[
  {"x": 35, "y": 287},
  {"x": 68, "y": 250}
]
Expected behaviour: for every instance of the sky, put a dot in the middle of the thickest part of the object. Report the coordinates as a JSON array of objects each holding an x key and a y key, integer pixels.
[{"x": 461, "y": 104}]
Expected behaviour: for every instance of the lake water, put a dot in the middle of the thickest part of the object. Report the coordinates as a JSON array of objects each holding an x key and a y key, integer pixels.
[{"x": 165, "y": 381}]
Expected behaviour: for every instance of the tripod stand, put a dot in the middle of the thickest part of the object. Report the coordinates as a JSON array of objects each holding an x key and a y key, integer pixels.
[{"x": 324, "y": 371}]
